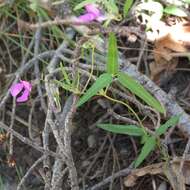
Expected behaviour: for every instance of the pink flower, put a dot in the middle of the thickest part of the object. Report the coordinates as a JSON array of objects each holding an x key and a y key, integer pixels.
[
  {"x": 92, "y": 8},
  {"x": 23, "y": 87},
  {"x": 92, "y": 13}
]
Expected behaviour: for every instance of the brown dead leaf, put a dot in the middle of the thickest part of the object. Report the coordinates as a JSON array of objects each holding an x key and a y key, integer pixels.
[
  {"x": 168, "y": 39},
  {"x": 153, "y": 169},
  {"x": 169, "y": 169},
  {"x": 162, "y": 63}
]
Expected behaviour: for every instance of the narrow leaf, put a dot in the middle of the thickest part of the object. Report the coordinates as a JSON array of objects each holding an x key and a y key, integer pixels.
[
  {"x": 101, "y": 82},
  {"x": 65, "y": 75},
  {"x": 139, "y": 91},
  {"x": 111, "y": 6},
  {"x": 127, "y": 6},
  {"x": 171, "y": 122},
  {"x": 83, "y": 3},
  {"x": 112, "y": 57},
  {"x": 122, "y": 129},
  {"x": 145, "y": 151},
  {"x": 187, "y": 1},
  {"x": 174, "y": 10},
  {"x": 64, "y": 85}
]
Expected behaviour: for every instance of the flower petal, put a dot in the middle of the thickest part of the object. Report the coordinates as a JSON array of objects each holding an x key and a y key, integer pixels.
[
  {"x": 101, "y": 18},
  {"x": 86, "y": 18},
  {"x": 23, "y": 97},
  {"x": 15, "y": 89},
  {"x": 27, "y": 85},
  {"x": 92, "y": 8}
]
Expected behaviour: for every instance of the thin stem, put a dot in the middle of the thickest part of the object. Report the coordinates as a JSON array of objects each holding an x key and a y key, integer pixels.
[
  {"x": 91, "y": 72},
  {"x": 126, "y": 105}
]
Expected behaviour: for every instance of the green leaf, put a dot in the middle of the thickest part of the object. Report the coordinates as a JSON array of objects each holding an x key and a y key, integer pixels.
[
  {"x": 83, "y": 3},
  {"x": 34, "y": 5},
  {"x": 111, "y": 6},
  {"x": 173, "y": 10},
  {"x": 132, "y": 130},
  {"x": 171, "y": 122},
  {"x": 127, "y": 6},
  {"x": 144, "y": 138},
  {"x": 187, "y": 1},
  {"x": 65, "y": 75},
  {"x": 145, "y": 151},
  {"x": 112, "y": 57},
  {"x": 63, "y": 85},
  {"x": 101, "y": 82},
  {"x": 139, "y": 91}
]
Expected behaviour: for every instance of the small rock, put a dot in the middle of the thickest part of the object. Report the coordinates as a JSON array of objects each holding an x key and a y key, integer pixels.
[
  {"x": 85, "y": 163},
  {"x": 162, "y": 186},
  {"x": 91, "y": 141}
]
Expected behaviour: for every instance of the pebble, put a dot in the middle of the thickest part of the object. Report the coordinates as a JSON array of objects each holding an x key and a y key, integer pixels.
[
  {"x": 91, "y": 141},
  {"x": 162, "y": 186}
]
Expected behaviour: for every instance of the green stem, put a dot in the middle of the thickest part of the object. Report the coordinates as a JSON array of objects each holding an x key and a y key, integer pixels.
[
  {"x": 126, "y": 105},
  {"x": 91, "y": 72}
]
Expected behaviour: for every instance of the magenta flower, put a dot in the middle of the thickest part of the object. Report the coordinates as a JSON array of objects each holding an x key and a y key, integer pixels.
[
  {"x": 23, "y": 87},
  {"x": 92, "y": 13}
]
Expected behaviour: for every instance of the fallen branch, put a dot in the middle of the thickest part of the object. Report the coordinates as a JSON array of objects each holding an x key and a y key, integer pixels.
[
  {"x": 23, "y": 25},
  {"x": 118, "y": 174},
  {"x": 22, "y": 181},
  {"x": 27, "y": 141}
]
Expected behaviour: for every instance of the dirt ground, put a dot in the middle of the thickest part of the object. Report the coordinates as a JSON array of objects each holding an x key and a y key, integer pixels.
[{"x": 48, "y": 143}]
